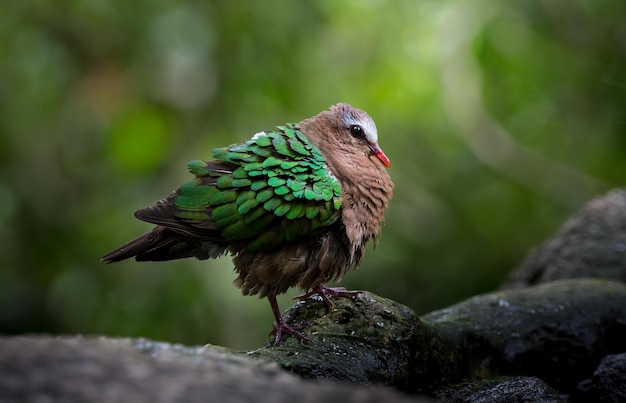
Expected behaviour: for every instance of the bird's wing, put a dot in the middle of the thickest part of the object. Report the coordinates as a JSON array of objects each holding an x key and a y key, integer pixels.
[{"x": 273, "y": 189}]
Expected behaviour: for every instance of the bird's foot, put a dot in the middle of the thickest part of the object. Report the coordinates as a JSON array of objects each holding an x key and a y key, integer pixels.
[
  {"x": 281, "y": 328},
  {"x": 326, "y": 292}
]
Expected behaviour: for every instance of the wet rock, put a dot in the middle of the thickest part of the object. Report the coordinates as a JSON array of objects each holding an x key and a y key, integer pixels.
[
  {"x": 556, "y": 331},
  {"x": 608, "y": 383},
  {"x": 501, "y": 390},
  {"x": 77, "y": 369},
  {"x": 366, "y": 339},
  {"x": 592, "y": 243}
]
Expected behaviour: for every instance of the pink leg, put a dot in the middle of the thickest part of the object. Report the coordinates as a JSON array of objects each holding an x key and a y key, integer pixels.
[
  {"x": 281, "y": 327},
  {"x": 326, "y": 292}
]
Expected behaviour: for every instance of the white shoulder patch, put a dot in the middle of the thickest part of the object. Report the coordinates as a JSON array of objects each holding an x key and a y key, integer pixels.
[
  {"x": 259, "y": 134},
  {"x": 331, "y": 174}
]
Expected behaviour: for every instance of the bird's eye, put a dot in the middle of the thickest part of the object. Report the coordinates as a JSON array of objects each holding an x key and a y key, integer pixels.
[{"x": 357, "y": 131}]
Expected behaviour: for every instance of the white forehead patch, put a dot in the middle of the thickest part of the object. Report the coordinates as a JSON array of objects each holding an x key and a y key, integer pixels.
[{"x": 366, "y": 122}]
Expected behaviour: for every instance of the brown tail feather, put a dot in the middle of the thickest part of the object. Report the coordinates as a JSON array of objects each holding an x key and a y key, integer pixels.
[{"x": 152, "y": 244}]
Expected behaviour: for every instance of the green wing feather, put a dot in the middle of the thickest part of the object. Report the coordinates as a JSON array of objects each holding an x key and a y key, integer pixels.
[{"x": 272, "y": 189}]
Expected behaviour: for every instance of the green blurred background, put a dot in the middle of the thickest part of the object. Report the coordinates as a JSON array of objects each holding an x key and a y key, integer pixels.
[{"x": 500, "y": 120}]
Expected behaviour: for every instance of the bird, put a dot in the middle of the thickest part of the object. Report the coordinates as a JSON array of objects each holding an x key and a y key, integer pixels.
[{"x": 294, "y": 206}]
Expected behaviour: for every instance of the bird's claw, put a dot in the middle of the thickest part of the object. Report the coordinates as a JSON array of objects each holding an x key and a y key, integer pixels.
[
  {"x": 283, "y": 328},
  {"x": 326, "y": 292}
]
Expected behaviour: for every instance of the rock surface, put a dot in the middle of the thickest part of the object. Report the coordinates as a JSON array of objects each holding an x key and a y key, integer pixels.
[
  {"x": 367, "y": 339},
  {"x": 608, "y": 383},
  {"x": 78, "y": 369},
  {"x": 501, "y": 390},
  {"x": 592, "y": 243},
  {"x": 556, "y": 331}
]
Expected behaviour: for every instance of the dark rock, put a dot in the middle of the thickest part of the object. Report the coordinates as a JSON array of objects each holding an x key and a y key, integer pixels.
[
  {"x": 592, "y": 243},
  {"x": 77, "y": 369},
  {"x": 556, "y": 331},
  {"x": 608, "y": 383},
  {"x": 501, "y": 390},
  {"x": 366, "y": 339}
]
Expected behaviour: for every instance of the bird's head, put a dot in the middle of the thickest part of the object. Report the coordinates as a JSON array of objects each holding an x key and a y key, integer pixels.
[{"x": 359, "y": 130}]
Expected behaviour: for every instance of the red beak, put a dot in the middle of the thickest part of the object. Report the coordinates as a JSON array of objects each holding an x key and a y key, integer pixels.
[{"x": 380, "y": 155}]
